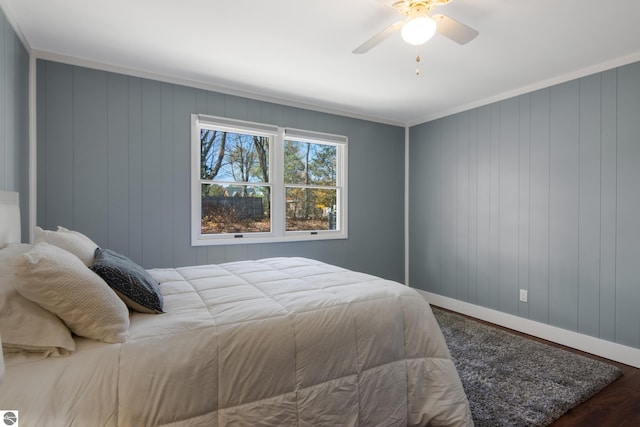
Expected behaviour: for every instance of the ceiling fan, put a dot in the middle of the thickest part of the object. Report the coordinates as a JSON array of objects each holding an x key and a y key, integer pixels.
[{"x": 419, "y": 26}]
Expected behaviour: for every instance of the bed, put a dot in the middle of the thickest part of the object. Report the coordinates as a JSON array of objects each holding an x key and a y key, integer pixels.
[{"x": 274, "y": 342}]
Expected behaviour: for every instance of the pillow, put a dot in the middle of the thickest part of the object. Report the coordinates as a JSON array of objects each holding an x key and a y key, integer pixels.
[
  {"x": 131, "y": 282},
  {"x": 69, "y": 240},
  {"x": 24, "y": 325},
  {"x": 59, "y": 282},
  {"x": 1, "y": 364}
]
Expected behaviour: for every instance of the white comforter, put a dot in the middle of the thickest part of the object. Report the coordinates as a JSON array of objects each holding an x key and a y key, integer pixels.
[{"x": 278, "y": 342}]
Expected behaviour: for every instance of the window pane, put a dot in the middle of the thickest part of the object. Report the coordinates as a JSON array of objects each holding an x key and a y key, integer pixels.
[
  {"x": 265, "y": 183},
  {"x": 228, "y": 156},
  {"x": 235, "y": 209},
  {"x": 309, "y": 164},
  {"x": 311, "y": 209}
]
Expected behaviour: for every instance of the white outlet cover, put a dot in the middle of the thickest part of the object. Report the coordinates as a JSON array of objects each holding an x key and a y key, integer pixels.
[{"x": 523, "y": 295}]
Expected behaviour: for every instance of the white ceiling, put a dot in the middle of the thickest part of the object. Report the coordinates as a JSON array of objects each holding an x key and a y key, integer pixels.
[{"x": 298, "y": 52}]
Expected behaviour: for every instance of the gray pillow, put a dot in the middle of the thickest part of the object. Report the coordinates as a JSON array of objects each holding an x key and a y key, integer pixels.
[{"x": 133, "y": 284}]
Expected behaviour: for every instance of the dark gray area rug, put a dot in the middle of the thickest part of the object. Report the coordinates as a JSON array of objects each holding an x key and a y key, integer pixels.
[{"x": 514, "y": 381}]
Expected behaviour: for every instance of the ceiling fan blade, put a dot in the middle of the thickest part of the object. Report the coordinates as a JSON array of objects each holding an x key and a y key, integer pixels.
[
  {"x": 454, "y": 30},
  {"x": 375, "y": 40}
]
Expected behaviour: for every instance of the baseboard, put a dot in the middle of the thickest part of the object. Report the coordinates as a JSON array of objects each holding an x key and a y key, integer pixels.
[{"x": 599, "y": 347}]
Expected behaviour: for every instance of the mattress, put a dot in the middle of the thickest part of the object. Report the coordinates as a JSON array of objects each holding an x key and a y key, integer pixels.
[{"x": 274, "y": 342}]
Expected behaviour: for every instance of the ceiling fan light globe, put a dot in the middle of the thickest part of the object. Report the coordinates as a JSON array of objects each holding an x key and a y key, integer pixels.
[{"x": 418, "y": 30}]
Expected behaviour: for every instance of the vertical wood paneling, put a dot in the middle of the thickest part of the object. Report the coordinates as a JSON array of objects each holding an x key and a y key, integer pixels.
[
  {"x": 120, "y": 146},
  {"x": 117, "y": 164},
  {"x": 152, "y": 190},
  {"x": 508, "y": 163},
  {"x": 419, "y": 192},
  {"x": 301, "y": 118},
  {"x": 8, "y": 114},
  {"x": 552, "y": 206},
  {"x": 376, "y": 156},
  {"x": 90, "y": 144},
  {"x": 21, "y": 107},
  {"x": 539, "y": 196},
  {"x": 41, "y": 101},
  {"x": 628, "y": 209},
  {"x": 134, "y": 161},
  {"x": 275, "y": 114},
  {"x": 524, "y": 198},
  {"x": 484, "y": 207},
  {"x": 5, "y": 145},
  {"x": 473, "y": 206},
  {"x": 462, "y": 207},
  {"x": 235, "y": 253},
  {"x": 58, "y": 164},
  {"x": 166, "y": 173},
  {"x": 14, "y": 118},
  {"x": 608, "y": 205},
  {"x": 434, "y": 184},
  {"x": 236, "y": 107},
  {"x": 216, "y": 104},
  {"x": 564, "y": 203},
  {"x": 589, "y": 208},
  {"x": 184, "y": 104},
  {"x": 494, "y": 208},
  {"x": 448, "y": 215},
  {"x": 202, "y": 105},
  {"x": 14, "y": 112},
  {"x": 424, "y": 186},
  {"x": 258, "y": 252}
]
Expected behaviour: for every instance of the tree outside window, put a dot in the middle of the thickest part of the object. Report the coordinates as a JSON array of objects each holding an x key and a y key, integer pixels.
[
  {"x": 310, "y": 182},
  {"x": 265, "y": 183},
  {"x": 234, "y": 171}
]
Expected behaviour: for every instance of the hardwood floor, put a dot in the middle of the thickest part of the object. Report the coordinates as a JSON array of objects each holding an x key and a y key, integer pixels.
[{"x": 616, "y": 405}]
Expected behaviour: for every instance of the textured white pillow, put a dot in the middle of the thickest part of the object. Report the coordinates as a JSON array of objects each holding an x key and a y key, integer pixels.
[
  {"x": 71, "y": 241},
  {"x": 59, "y": 282},
  {"x": 1, "y": 364},
  {"x": 24, "y": 325}
]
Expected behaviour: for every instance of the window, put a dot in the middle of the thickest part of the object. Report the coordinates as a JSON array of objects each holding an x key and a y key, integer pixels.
[{"x": 254, "y": 183}]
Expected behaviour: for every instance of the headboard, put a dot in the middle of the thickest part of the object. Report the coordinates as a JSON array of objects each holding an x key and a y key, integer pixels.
[
  {"x": 9, "y": 233},
  {"x": 9, "y": 217}
]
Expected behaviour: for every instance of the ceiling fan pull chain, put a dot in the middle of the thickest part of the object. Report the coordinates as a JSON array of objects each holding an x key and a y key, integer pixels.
[{"x": 417, "y": 62}]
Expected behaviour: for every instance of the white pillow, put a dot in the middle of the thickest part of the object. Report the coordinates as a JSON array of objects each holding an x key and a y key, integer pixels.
[
  {"x": 71, "y": 241},
  {"x": 59, "y": 282},
  {"x": 1, "y": 364},
  {"x": 24, "y": 325}
]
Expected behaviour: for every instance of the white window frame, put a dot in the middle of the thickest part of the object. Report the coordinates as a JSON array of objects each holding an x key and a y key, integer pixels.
[{"x": 277, "y": 134}]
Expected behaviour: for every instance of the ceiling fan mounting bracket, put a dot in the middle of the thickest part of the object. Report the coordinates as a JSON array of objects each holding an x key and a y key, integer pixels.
[{"x": 417, "y": 8}]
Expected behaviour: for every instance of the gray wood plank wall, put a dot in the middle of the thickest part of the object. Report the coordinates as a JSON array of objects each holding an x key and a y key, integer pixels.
[
  {"x": 538, "y": 192},
  {"x": 114, "y": 163},
  {"x": 14, "y": 117}
]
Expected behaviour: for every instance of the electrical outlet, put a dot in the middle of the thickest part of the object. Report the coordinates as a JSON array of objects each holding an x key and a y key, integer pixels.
[{"x": 523, "y": 295}]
